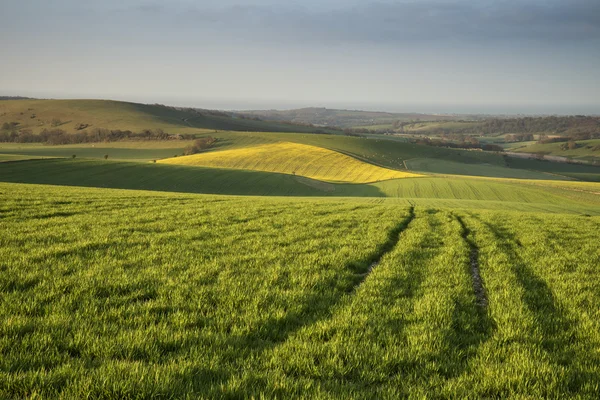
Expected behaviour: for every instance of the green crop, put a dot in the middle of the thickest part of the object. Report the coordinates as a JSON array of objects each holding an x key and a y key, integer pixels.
[{"x": 129, "y": 294}]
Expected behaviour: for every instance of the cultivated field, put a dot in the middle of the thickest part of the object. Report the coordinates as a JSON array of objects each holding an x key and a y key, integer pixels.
[
  {"x": 295, "y": 159},
  {"x": 127, "y": 294},
  {"x": 584, "y": 150},
  {"x": 290, "y": 265},
  {"x": 454, "y": 191}
]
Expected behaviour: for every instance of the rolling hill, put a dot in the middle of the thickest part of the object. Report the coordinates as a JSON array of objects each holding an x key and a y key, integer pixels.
[
  {"x": 450, "y": 191},
  {"x": 343, "y": 118},
  {"x": 583, "y": 150},
  {"x": 294, "y": 159},
  {"x": 70, "y": 115}
]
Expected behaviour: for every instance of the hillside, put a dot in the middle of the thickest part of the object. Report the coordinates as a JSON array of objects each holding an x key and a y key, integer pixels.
[
  {"x": 130, "y": 294},
  {"x": 294, "y": 159},
  {"x": 74, "y": 115},
  {"x": 581, "y": 149},
  {"x": 450, "y": 191},
  {"x": 343, "y": 118}
]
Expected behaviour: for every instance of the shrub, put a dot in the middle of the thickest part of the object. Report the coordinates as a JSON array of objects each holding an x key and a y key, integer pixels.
[{"x": 199, "y": 145}]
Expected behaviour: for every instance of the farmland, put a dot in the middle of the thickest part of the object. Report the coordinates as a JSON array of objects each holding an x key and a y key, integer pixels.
[
  {"x": 71, "y": 115},
  {"x": 293, "y": 158},
  {"x": 130, "y": 294},
  {"x": 292, "y": 265},
  {"x": 584, "y": 149},
  {"x": 385, "y": 153}
]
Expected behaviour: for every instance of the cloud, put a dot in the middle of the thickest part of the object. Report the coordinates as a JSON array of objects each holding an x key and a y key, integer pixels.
[{"x": 397, "y": 22}]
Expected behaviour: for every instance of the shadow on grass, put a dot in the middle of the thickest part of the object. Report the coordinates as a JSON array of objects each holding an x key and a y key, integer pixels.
[{"x": 556, "y": 329}]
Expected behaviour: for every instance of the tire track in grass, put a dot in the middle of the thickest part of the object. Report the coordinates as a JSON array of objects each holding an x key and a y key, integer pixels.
[
  {"x": 450, "y": 326},
  {"x": 478, "y": 286},
  {"x": 315, "y": 353},
  {"x": 316, "y": 307},
  {"x": 555, "y": 329},
  {"x": 415, "y": 324},
  {"x": 386, "y": 247}
]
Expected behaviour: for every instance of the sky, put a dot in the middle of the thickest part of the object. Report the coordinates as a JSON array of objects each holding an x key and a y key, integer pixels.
[{"x": 441, "y": 56}]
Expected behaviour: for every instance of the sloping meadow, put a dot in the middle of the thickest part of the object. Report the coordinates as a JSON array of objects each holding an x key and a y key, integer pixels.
[{"x": 125, "y": 294}]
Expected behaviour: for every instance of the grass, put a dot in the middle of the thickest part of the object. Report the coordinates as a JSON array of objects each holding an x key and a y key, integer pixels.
[
  {"x": 16, "y": 157},
  {"x": 392, "y": 153},
  {"x": 585, "y": 149},
  {"x": 296, "y": 159},
  {"x": 40, "y": 114},
  {"x": 124, "y": 151},
  {"x": 454, "y": 191},
  {"x": 387, "y": 152},
  {"x": 127, "y": 294},
  {"x": 433, "y": 165}
]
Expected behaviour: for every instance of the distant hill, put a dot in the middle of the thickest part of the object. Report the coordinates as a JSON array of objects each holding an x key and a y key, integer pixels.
[
  {"x": 14, "y": 98},
  {"x": 74, "y": 115},
  {"x": 344, "y": 118}
]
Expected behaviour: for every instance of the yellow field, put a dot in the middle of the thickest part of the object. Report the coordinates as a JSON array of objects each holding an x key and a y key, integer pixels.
[{"x": 293, "y": 158}]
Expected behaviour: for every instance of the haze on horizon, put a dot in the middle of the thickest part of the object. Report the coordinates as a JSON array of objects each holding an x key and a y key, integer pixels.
[{"x": 447, "y": 56}]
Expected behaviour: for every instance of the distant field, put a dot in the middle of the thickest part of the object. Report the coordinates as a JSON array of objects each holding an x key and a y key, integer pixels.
[
  {"x": 16, "y": 157},
  {"x": 67, "y": 114},
  {"x": 586, "y": 149},
  {"x": 128, "y": 294},
  {"x": 457, "y": 168},
  {"x": 454, "y": 191},
  {"x": 388, "y": 152},
  {"x": 130, "y": 151},
  {"x": 293, "y": 158}
]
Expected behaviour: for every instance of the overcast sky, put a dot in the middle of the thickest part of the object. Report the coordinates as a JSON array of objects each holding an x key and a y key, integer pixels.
[{"x": 428, "y": 55}]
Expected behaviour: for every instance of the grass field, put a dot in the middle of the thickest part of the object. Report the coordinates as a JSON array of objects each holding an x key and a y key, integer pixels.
[
  {"x": 124, "y": 150},
  {"x": 392, "y": 153},
  {"x": 586, "y": 149},
  {"x": 126, "y": 294},
  {"x": 454, "y": 191},
  {"x": 67, "y": 114},
  {"x": 293, "y": 158},
  {"x": 381, "y": 151},
  {"x": 290, "y": 265}
]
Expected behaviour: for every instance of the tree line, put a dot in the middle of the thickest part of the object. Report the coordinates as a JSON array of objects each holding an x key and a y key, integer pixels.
[
  {"x": 466, "y": 143},
  {"x": 8, "y": 133}
]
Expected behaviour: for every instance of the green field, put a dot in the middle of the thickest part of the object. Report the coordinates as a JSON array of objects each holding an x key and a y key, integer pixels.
[
  {"x": 459, "y": 191},
  {"x": 586, "y": 149},
  {"x": 67, "y": 114},
  {"x": 384, "y": 152},
  {"x": 295, "y": 159},
  {"x": 125, "y": 294},
  {"x": 291, "y": 265}
]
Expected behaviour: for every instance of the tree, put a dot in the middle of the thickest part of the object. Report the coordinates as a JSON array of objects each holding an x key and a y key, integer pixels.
[{"x": 199, "y": 145}]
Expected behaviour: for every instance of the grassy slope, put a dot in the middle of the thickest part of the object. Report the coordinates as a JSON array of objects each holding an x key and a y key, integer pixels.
[
  {"x": 125, "y": 294},
  {"x": 454, "y": 191},
  {"x": 388, "y": 152},
  {"x": 393, "y": 154},
  {"x": 293, "y": 158},
  {"x": 39, "y": 114},
  {"x": 584, "y": 150},
  {"x": 126, "y": 151}
]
